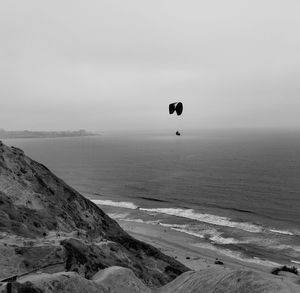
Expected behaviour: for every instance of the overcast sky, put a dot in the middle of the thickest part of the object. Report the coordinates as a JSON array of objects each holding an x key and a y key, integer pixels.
[{"x": 115, "y": 65}]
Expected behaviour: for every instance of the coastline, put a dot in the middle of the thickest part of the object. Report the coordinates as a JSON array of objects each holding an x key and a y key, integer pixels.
[
  {"x": 235, "y": 245},
  {"x": 184, "y": 247}
]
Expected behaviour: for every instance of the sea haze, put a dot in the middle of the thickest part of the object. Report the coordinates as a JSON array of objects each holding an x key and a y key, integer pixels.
[{"x": 236, "y": 191}]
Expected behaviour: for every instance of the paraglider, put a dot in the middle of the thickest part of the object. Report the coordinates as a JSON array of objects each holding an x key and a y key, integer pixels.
[{"x": 178, "y": 108}]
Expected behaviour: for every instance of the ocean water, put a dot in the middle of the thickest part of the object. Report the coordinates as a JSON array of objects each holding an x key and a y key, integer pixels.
[{"x": 235, "y": 191}]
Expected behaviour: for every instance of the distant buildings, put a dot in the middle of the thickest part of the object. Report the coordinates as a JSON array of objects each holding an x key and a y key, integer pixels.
[{"x": 43, "y": 134}]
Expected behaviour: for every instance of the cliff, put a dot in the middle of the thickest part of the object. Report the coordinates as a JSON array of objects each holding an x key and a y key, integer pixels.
[{"x": 45, "y": 222}]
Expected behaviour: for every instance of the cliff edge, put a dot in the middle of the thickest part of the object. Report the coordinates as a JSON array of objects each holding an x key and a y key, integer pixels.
[{"x": 46, "y": 223}]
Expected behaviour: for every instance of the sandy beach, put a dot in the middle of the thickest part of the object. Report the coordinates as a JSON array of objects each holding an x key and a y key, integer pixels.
[{"x": 184, "y": 248}]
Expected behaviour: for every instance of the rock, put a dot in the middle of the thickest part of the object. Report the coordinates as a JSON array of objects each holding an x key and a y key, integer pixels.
[
  {"x": 120, "y": 280},
  {"x": 218, "y": 262},
  {"x": 224, "y": 280},
  {"x": 64, "y": 282},
  {"x": 110, "y": 280}
]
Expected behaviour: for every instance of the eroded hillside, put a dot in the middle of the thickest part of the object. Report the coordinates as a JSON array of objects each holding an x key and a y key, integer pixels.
[{"x": 46, "y": 224}]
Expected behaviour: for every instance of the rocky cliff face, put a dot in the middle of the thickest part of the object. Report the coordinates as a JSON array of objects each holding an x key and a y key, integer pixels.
[{"x": 46, "y": 223}]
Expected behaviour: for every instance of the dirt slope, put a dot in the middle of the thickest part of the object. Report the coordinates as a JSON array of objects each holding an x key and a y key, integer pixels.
[{"x": 35, "y": 205}]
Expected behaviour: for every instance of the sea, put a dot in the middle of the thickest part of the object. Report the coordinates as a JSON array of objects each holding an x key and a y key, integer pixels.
[{"x": 235, "y": 191}]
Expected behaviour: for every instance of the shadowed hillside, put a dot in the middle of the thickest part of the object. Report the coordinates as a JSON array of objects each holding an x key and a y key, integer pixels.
[{"x": 48, "y": 222}]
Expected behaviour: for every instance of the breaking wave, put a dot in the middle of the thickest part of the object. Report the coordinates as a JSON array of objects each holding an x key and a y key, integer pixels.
[
  {"x": 206, "y": 218},
  {"x": 201, "y": 217},
  {"x": 281, "y": 232},
  {"x": 120, "y": 204},
  {"x": 211, "y": 234},
  {"x": 182, "y": 229},
  {"x": 141, "y": 221},
  {"x": 118, "y": 216}
]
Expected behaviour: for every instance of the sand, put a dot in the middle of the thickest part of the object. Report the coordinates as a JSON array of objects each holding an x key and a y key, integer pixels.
[{"x": 184, "y": 248}]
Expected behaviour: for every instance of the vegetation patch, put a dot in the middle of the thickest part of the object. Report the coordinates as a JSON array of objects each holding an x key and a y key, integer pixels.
[{"x": 292, "y": 270}]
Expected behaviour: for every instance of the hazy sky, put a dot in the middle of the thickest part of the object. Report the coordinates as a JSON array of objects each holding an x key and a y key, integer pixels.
[{"x": 115, "y": 65}]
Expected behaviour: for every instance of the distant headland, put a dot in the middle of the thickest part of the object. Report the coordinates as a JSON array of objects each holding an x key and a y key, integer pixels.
[{"x": 43, "y": 134}]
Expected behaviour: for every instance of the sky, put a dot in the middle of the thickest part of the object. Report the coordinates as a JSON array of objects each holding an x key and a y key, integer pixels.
[{"x": 116, "y": 65}]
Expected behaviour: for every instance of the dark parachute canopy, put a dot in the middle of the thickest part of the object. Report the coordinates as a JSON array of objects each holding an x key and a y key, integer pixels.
[{"x": 178, "y": 107}]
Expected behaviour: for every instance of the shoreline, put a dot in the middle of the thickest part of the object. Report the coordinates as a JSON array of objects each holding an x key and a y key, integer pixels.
[
  {"x": 239, "y": 246},
  {"x": 184, "y": 248}
]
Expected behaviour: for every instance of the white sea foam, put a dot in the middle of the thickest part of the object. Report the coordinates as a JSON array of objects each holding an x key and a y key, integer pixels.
[
  {"x": 207, "y": 218},
  {"x": 178, "y": 226},
  {"x": 191, "y": 214},
  {"x": 296, "y": 262},
  {"x": 123, "y": 217},
  {"x": 281, "y": 232},
  {"x": 286, "y": 246},
  {"x": 182, "y": 229},
  {"x": 188, "y": 232},
  {"x": 120, "y": 204},
  {"x": 211, "y": 234},
  {"x": 117, "y": 216},
  {"x": 221, "y": 240},
  {"x": 141, "y": 221}
]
